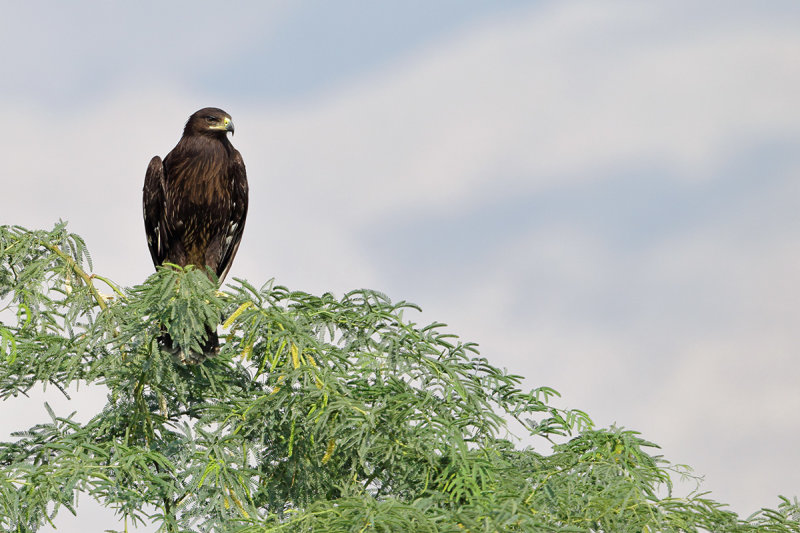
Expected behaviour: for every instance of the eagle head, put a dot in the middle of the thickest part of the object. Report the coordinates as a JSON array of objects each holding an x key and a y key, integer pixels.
[{"x": 209, "y": 120}]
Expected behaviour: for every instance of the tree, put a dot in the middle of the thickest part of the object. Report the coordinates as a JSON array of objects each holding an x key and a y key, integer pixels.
[{"x": 319, "y": 414}]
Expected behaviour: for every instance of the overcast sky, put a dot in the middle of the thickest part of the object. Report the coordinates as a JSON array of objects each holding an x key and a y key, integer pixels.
[{"x": 604, "y": 195}]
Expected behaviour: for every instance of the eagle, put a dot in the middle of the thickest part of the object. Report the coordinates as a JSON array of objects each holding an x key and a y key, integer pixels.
[{"x": 195, "y": 203}]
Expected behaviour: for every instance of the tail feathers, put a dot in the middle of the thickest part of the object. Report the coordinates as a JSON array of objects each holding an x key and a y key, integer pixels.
[{"x": 210, "y": 348}]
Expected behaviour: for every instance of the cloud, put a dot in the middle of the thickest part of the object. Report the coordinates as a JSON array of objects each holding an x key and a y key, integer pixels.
[
  {"x": 62, "y": 58},
  {"x": 561, "y": 95}
]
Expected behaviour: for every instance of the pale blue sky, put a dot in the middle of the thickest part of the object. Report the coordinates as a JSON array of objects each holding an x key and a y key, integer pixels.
[{"x": 604, "y": 195}]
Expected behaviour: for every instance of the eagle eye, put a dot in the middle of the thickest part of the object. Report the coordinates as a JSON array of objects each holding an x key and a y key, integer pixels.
[{"x": 211, "y": 119}]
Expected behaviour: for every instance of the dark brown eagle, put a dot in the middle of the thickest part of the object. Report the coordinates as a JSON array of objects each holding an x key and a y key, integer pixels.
[{"x": 195, "y": 200}]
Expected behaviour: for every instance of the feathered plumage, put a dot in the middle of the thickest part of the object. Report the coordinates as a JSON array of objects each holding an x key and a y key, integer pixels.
[{"x": 195, "y": 200}]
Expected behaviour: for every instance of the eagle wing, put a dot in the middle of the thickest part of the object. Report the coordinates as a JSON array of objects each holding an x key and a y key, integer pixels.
[
  {"x": 154, "y": 205},
  {"x": 232, "y": 236}
]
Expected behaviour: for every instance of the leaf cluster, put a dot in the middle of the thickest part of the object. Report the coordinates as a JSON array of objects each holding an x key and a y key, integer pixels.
[{"x": 320, "y": 413}]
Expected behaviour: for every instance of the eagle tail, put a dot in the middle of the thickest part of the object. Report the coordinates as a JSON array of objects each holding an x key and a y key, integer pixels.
[{"x": 210, "y": 348}]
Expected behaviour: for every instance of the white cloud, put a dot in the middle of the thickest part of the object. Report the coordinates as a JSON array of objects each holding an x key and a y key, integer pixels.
[{"x": 541, "y": 100}]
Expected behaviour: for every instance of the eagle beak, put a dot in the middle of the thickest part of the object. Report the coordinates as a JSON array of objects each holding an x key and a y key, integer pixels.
[{"x": 228, "y": 125}]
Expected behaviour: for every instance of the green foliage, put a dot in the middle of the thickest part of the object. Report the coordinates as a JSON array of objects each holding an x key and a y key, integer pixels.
[{"x": 319, "y": 414}]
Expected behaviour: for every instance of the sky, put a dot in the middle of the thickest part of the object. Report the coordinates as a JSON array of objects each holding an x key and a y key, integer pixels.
[{"x": 604, "y": 195}]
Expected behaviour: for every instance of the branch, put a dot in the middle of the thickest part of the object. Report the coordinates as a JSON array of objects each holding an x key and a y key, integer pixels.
[{"x": 78, "y": 270}]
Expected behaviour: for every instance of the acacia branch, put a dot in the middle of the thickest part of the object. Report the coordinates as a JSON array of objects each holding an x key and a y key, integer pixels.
[{"x": 78, "y": 270}]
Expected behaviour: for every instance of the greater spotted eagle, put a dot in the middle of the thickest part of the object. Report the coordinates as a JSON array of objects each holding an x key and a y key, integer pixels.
[{"x": 195, "y": 202}]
